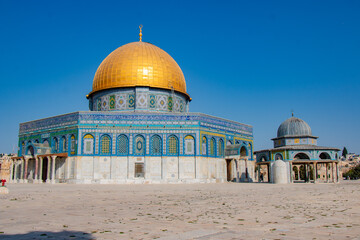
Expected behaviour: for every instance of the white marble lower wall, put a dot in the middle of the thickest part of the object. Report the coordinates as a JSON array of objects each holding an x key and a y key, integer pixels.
[{"x": 156, "y": 169}]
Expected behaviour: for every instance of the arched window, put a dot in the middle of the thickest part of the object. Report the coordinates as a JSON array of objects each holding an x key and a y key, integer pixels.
[
  {"x": 221, "y": 148},
  {"x": 278, "y": 156},
  {"x": 105, "y": 145},
  {"x": 23, "y": 147},
  {"x": 212, "y": 147},
  {"x": 139, "y": 145},
  {"x": 56, "y": 144},
  {"x": 72, "y": 144},
  {"x": 301, "y": 156},
  {"x": 173, "y": 146},
  {"x": 46, "y": 143},
  {"x": 189, "y": 145},
  {"x": 122, "y": 145},
  {"x": 156, "y": 145},
  {"x": 88, "y": 144},
  {"x": 204, "y": 145},
  {"x": 63, "y": 144}
]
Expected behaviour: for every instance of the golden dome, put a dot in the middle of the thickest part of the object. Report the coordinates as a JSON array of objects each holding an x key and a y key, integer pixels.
[{"x": 139, "y": 64}]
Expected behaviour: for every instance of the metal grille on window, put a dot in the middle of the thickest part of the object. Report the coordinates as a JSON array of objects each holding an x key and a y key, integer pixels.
[
  {"x": 105, "y": 145},
  {"x": 155, "y": 145},
  {"x": 88, "y": 144},
  {"x": 212, "y": 147},
  {"x": 72, "y": 147},
  {"x": 189, "y": 145},
  {"x": 203, "y": 145},
  {"x": 122, "y": 145},
  {"x": 173, "y": 149},
  {"x": 63, "y": 140},
  {"x": 221, "y": 148}
]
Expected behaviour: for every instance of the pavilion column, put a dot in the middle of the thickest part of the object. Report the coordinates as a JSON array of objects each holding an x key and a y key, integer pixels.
[
  {"x": 327, "y": 172},
  {"x": 11, "y": 170},
  {"x": 48, "y": 169},
  {"x": 314, "y": 172},
  {"x": 268, "y": 171},
  {"x": 332, "y": 172},
  {"x": 15, "y": 171},
  {"x": 291, "y": 172},
  {"x": 259, "y": 172},
  {"x": 40, "y": 170},
  {"x": 36, "y": 169},
  {"x": 26, "y": 169},
  {"x": 337, "y": 173},
  {"x": 53, "y": 169}
]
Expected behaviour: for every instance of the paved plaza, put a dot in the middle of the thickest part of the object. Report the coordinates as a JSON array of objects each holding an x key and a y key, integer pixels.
[{"x": 181, "y": 211}]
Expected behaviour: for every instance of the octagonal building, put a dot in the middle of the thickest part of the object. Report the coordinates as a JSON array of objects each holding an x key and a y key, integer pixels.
[{"x": 138, "y": 130}]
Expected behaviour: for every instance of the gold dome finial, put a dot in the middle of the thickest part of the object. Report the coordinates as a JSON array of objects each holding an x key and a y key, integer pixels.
[{"x": 140, "y": 34}]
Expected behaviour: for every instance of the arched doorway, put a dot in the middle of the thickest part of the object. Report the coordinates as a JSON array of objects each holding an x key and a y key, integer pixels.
[{"x": 324, "y": 155}]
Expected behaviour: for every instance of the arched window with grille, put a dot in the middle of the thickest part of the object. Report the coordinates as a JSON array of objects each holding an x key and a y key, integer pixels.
[
  {"x": 105, "y": 145},
  {"x": 122, "y": 145},
  {"x": 72, "y": 144},
  {"x": 204, "y": 145},
  {"x": 173, "y": 148},
  {"x": 140, "y": 145},
  {"x": 221, "y": 148},
  {"x": 156, "y": 148},
  {"x": 189, "y": 143},
  {"x": 56, "y": 144},
  {"x": 88, "y": 147},
  {"x": 212, "y": 147},
  {"x": 63, "y": 144}
]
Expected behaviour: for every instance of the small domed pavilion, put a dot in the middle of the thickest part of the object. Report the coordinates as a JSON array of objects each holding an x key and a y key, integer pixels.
[{"x": 297, "y": 148}]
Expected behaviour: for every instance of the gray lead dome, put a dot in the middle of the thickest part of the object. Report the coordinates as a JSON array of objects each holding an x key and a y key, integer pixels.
[{"x": 294, "y": 127}]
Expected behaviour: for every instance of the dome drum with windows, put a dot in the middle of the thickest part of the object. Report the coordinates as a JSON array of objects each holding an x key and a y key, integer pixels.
[{"x": 139, "y": 76}]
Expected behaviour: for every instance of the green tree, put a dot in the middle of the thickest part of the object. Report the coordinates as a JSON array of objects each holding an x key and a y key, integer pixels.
[
  {"x": 344, "y": 152},
  {"x": 353, "y": 173}
]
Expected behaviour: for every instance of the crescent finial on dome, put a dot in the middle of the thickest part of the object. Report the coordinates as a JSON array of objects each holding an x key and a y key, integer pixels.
[{"x": 140, "y": 34}]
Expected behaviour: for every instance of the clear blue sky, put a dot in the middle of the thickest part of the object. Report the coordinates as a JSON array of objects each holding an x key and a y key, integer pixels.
[{"x": 248, "y": 61}]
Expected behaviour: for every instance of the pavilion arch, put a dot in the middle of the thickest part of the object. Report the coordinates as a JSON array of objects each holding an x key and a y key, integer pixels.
[
  {"x": 122, "y": 145},
  {"x": 88, "y": 144},
  {"x": 324, "y": 155},
  {"x": 105, "y": 144},
  {"x": 139, "y": 145},
  {"x": 301, "y": 156},
  {"x": 156, "y": 145},
  {"x": 189, "y": 145},
  {"x": 228, "y": 142},
  {"x": 30, "y": 150},
  {"x": 173, "y": 145},
  {"x": 278, "y": 156},
  {"x": 243, "y": 151}
]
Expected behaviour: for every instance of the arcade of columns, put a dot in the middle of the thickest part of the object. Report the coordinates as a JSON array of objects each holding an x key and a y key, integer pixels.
[
  {"x": 334, "y": 170},
  {"x": 39, "y": 166}
]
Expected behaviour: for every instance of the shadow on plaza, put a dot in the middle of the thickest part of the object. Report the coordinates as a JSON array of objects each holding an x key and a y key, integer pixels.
[{"x": 49, "y": 235}]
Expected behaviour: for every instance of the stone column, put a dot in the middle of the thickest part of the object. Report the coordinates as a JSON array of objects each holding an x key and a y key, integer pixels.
[
  {"x": 26, "y": 169},
  {"x": 314, "y": 172},
  {"x": 22, "y": 170},
  {"x": 15, "y": 171},
  {"x": 53, "y": 169},
  {"x": 36, "y": 170},
  {"x": 291, "y": 172},
  {"x": 268, "y": 171},
  {"x": 40, "y": 170},
  {"x": 332, "y": 172},
  {"x": 11, "y": 171},
  {"x": 327, "y": 172},
  {"x": 337, "y": 172},
  {"x": 48, "y": 169}
]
